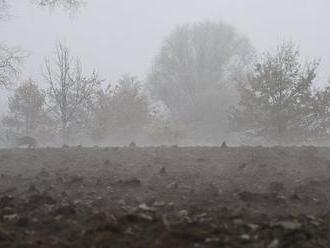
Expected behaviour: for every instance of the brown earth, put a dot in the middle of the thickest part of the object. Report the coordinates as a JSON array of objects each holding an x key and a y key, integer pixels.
[{"x": 165, "y": 197}]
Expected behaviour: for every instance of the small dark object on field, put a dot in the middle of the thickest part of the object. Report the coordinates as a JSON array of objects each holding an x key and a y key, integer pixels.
[
  {"x": 162, "y": 171},
  {"x": 5, "y": 236},
  {"x": 26, "y": 140},
  {"x": 59, "y": 179},
  {"x": 33, "y": 188},
  {"x": 107, "y": 162},
  {"x": 132, "y": 182},
  {"x": 65, "y": 210},
  {"x": 276, "y": 187},
  {"x": 76, "y": 179},
  {"x": 9, "y": 190},
  {"x": 43, "y": 173},
  {"x": 65, "y": 146},
  {"x": 242, "y": 166},
  {"x": 6, "y": 200},
  {"x": 132, "y": 144},
  {"x": 37, "y": 200},
  {"x": 224, "y": 145},
  {"x": 98, "y": 182}
]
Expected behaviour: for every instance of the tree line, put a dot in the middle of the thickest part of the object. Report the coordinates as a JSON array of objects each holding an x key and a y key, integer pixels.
[{"x": 207, "y": 84}]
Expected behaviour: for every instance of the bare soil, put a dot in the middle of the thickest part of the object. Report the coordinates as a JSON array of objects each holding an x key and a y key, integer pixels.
[{"x": 165, "y": 197}]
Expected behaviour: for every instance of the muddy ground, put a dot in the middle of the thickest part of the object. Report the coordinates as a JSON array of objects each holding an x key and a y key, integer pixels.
[{"x": 165, "y": 197}]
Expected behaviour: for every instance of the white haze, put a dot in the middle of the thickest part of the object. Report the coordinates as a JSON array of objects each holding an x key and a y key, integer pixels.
[{"x": 118, "y": 37}]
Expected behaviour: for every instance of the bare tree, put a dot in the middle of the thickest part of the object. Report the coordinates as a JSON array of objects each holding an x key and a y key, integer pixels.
[
  {"x": 9, "y": 57},
  {"x": 3, "y": 9},
  {"x": 194, "y": 76},
  {"x": 9, "y": 64},
  {"x": 66, "y": 4},
  {"x": 68, "y": 88}
]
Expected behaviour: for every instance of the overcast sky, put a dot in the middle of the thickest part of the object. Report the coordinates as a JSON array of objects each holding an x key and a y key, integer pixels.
[{"x": 122, "y": 36}]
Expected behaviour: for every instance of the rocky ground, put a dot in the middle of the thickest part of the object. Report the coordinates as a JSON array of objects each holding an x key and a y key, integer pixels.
[{"x": 165, "y": 197}]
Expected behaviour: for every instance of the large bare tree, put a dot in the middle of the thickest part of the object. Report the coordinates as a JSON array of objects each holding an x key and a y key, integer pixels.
[
  {"x": 69, "y": 88},
  {"x": 194, "y": 75}
]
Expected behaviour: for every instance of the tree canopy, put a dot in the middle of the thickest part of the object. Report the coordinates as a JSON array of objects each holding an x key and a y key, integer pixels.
[
  {"x": 26, "y": 108},
  {"x": 194, "y": 75},
  {"x": 276, "y": 100}
]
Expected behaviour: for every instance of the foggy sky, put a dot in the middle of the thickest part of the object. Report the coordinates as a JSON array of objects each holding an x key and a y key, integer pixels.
[{"x": 117, "y": 37}]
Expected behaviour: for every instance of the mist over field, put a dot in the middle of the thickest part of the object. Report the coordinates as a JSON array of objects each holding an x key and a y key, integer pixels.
[{"x": 164, "y": 123}]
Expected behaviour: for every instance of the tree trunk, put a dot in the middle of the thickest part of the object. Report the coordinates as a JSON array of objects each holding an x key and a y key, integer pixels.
[{"x": 64, "y": 132}]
